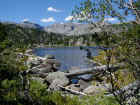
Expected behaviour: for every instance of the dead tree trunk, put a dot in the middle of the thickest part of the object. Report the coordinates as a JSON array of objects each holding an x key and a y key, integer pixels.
[
  {"x": 94, "y": 70},
  {"x": 72, "y": 91}
]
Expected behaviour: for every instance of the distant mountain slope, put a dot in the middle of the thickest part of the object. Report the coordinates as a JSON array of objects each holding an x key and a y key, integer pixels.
[
  {"x": 82, "y": 29},
  {"x": 25, "y": 24},
  {"x": 72, "y": 29}
]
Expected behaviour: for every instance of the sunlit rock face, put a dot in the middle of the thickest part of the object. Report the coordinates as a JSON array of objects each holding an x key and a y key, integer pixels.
[
  {"x": 27, "y": 24},
  {"x": 72, "y": 29}
]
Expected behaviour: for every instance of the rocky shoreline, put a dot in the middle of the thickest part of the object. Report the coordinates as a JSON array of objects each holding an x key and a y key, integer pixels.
[{"x": 47, "y": 70}]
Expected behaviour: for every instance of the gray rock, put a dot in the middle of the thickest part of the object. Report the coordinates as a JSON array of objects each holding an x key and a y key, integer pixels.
[
  {"x": 56, "y": 83},
  {"x": 46, "y": 68},
  {"x": 94, "y": 89},
  {"x": 57, "y": 75},
  {"x": 34, "y": 70},
  {"x": 29, "y": 51},
  {"x": 52, "y": 61},
  {"x": 43, "y": 68},
  {"x": 83, "y": 84},
  {"x": 34, "y": 63}
]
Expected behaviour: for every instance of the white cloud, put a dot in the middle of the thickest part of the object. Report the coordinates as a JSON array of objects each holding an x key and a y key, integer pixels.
[
  {"x": 24, "y": 20},
  {"x": 46, "y": 20},
  {"x": 69, "y": 18},
  {"x": 61, "y": 23},
  {"x": 109, "y": 19},
  {"x": 53, "y": 9}
]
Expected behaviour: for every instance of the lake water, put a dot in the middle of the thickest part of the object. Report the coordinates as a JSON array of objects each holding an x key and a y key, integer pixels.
[{"x": 70, "y": 57}]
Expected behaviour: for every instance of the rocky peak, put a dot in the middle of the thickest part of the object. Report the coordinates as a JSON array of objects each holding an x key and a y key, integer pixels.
[
  {"x": 71, "y": 29},
  {"x": 28, "y": 24}
]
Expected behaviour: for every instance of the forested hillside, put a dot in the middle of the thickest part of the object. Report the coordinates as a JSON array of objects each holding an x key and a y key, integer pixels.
[
  {"x": 29, "y": 36},
  {"x": 34, "y": 36}
]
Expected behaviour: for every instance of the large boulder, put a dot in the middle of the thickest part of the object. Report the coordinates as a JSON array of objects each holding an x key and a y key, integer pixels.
[
  {"x": 45, "y": 68},
  {"x": 57, "y": 76},
  {"x": 52, "y": 61},
  {"x": 42, "y": 68},
  {"x": 56, "y": 83},
  {"x": 33, "y": 61},
  {"x": 94, "y": 89},
  {"x": 83, "y": 84},
  {"x": 55, "y": 64}
]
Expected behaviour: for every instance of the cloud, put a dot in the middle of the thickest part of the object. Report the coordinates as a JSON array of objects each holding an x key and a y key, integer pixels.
[
  {"x": 61, "y": 23},
  {"x": 46, "y": 20},
  {"x": 24, "y": 20},
  {"x": 51, "y": 9},
  {"x": 69, "y": 18},
  {"x": 109, "y": 19}
]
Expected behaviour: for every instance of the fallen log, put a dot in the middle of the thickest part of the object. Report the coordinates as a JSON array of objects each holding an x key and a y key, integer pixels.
[
  {"x": 72, "y": 91},
  {"x": 95, "y": 70}
]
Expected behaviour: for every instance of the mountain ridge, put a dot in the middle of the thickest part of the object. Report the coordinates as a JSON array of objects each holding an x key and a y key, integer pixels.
[
  {"x": 71, "y": 29},
  {"x": 67, "y": 29}
]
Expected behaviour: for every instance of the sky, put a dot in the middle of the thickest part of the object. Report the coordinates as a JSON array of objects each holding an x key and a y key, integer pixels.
[{"x": 43, "y": 12}]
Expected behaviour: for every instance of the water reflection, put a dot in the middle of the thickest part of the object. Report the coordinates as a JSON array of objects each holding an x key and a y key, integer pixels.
[{"x": 70, "y": 57}]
